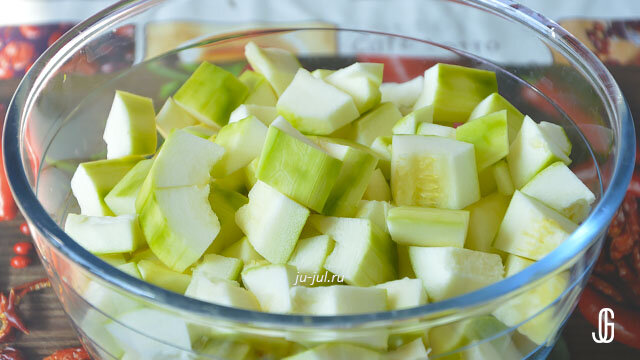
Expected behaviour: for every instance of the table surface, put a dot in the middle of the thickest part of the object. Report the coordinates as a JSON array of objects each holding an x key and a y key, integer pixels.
[{"x": 51, "y": 330}]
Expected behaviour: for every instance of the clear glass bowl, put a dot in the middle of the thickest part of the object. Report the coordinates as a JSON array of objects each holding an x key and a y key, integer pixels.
[{"x": 59, "y": 111}]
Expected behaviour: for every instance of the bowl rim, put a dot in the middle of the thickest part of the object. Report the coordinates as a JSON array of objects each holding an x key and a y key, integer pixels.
[{"x": 584, "y": 236}]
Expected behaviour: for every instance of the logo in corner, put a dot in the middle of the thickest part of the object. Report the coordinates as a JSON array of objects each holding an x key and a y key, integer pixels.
[{"x": 605, "y": 327}]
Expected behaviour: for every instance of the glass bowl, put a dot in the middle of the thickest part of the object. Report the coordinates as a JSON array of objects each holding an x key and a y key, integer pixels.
[{"x": 58, "y": 113}]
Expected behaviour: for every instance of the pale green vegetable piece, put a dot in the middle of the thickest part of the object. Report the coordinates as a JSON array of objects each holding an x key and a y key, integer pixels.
[
  {"x": 201, "y": 130},
  {"x": 409, "y": 124},
  {"x": 358, "y": 165},
  {"x": 224, "y": 204},
  {"x": 163, "y": 277},
  {"x": 531, "y": 302},
  {"x": 225, "y": 349},
  {"x": 131, "y": 126},
  {"x": 311, "y": 253},
  {"x": 266, "y": 114},
  {"x": 93, "y": 180},
  {"x": 315, "y": 107},
  {"x": 322, "y": 73},
  {"x": 233, "y": 182},
  {"x": 453, "y": 336},
  {"x": 495, "y": 102},
  {"x": 113, "y": 259},
  {"x": 105, "y": 234},
  {"x": 485, "y": 217},
  {"x": 502, "y": 176},
  {"x": 403, "y": 95},
  {"x": 276, "y": 65},
  {"x": 249, "y": 171},
  {"x": 447, "y": 272},
  {"x": 338, "y": 300},
  {"x": 559, "y": 188},
  {"x": 179, "y": 224},
  {"x": 489, "y": 137},
  {"x": 217, "y": 266},
  {"x": 363, "y": 255},
  {"x": 436, "y": 130},
  {"x": 211, "y": 94},
  {"x": 271, "y": 284},
  {"x": 243, "y": 250},
  {"x": 361, "y": 81},
  {"x": 411, "y": 351},
  {"x": 487, "y": 181},
  {"x": 381, "y": 146},
  {"x": 173, "y": 116},
  {"x": 296, "y": 167},
  {"x": 221, "y": 292},
  {"x": 130, "y": 268},
  {"x": 378, "y": 121},
  {"x": 260, "y": 92},
  {"x": 122, "y": 198},
  {"x": 531, "y": 229},
  {"x": 378, "y": 188},
  {"x": 404, "y": 263},
  {"x": 454, "y": 91},
  {"x": 145, "y": 254},
  {"x": 433, "y": 171},
  {"x": 272, "y": 222},
  {"x": 337, "y": 352},
  {"x": 376, "y": 211},
  {"x": 242, "y": 141},
  {"x": 530, "y": 152},
  {"x": 421, "y": 226},
  {"x": 404, "y": 293},
  {"x": 557, "y": 134}
]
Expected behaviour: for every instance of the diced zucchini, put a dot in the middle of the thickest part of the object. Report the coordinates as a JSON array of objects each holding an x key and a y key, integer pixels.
[
  {"x": 297, "y": 167},
  {"x": 272, "y": 222},
  {"x": 113, "y": 259},
  {"x": 487, "y": 181},
  {"x": 404, "y": 293},
  {"x": 242, "y": 141},
  {"x": 414, "y": 350},
  {"x": 266, "y": 114},
  {"x": 436, "y": 130},
  {"x": 221, "y": 292},
  {"x": 531, "y": 152},
  {"x": 556, "y": 134},
  {"x": 243, "y": 250},
  {"x": 381, "y": 146},
  {"x": 201, "y": 130},
  {"x": 503, "y": 178},
  {"x": 122, "y": 198},
  {"x": 417, "y": 226},
  {"x": 211, "y": 94},
  {"x": 105, "y": 234},
  {"x": 260, "y": 92},
  {"x": 560, "y": 189},
  {"x": 315, "y": 107},
  {"x": 453, "y": 336},
  {"x": 322, "y": 73},
  {"x": 337, "y": 352},
  {"x": 378, "y": 121},
  {"x": 402, "y": 95},
  {"x": 520, "y": 309},
  {"x": 249, "y": 172},
  {"x": 233, "y": 182},
  {"x": 311, "y": 253},
  {"x": 173, "y": 116},
  {"x": 224, "y": 204},
  {"x": 378, "y": 188},
  {"x": 178, "y": 224},
  {"x": 408, "y": 125},
  {"x": 163, "y": 277},
  {"x": 447, "y": 272},
  {"x": 130, "y": 268},
  {"x": 270, "y": 284},
  {"x": 454, "y": 91},
  {"x": 214, "y": 266},
  {"x": 93, "y": 180},
  {"x": 485, "y": 217},
  {"x": 489, "y": 137},
  {"x": 276, "y": 65},
  {"x": 358, "y": 165},
  {"x": 338, "y": 300},
  {"x": 131, "y": 126},
  {"x": 361, "y": 81},
  {"x": 495, "y": 102},
  {"x": 404, "y": 263},
  {"x": 376, "y": 211},
  {"x": 531, "y": 229},
  {"x": 364, "y": 255},
  {"x": 433, "y": 171}
]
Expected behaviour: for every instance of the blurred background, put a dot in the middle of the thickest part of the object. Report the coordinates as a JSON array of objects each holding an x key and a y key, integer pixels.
[{"x": 610, "y": 28}]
